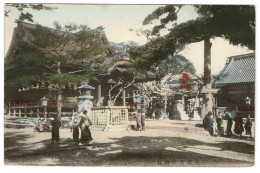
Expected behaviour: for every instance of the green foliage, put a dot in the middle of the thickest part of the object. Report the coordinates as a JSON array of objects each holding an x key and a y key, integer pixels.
[
  {"x": 23, "y": 80},
  {"x": 29, "y": 59},
  {"x": 235, "y": 23},
  {"x": 27, "y": 16},
  {"x": 87, "y": 53},
  {"x": 44, "y": 42},
  {"x": 58, "y": 58},
  {"x": 171, "y": 11},
  {"x": 65, "y": 79},
  {"x": 176, "y": 65},
  {"x": 100, "y": 60}
]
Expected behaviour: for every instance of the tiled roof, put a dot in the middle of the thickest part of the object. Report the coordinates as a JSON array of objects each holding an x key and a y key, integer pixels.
[{"x": 239, "y": 69}]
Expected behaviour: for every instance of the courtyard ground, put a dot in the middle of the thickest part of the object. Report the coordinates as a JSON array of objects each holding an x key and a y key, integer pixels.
[{"x": 163, "y": 143}]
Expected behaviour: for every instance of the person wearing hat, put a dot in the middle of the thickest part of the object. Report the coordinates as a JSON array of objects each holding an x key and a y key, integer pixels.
[
  {"x": 228, "y": 117},
  {"x": 208, "y": 123}
]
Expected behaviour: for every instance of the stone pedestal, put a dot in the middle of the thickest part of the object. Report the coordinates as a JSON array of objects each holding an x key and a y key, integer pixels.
[
  {"x": 196, "y": 116},
  {"x": 178, "y": 111}
]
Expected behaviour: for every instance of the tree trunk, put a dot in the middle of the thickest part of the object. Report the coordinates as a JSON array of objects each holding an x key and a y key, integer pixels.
[
  {"x": 59, "y": 96},
  {"x": 208, "y": 104}
]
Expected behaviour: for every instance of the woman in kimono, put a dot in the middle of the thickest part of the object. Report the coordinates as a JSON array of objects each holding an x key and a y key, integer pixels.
[
  {"x": 84, "y": 124},
  {"x": 42, "y": 124},
  {"x": 239, "y": 125},
  {"x": 56, "y": 124},
  {"x": 208, "y": 123},
  {"x": 75, "y": 128}
]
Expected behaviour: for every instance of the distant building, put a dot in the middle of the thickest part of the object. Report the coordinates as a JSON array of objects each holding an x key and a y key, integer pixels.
[{"x": 237, "y": 82}]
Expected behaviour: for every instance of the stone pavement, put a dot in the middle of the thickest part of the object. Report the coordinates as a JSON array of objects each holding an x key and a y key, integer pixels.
[{"x": 163, "y": 143}]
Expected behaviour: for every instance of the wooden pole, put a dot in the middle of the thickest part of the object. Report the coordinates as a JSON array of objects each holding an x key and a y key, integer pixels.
[{"x": 207, "y": 102}]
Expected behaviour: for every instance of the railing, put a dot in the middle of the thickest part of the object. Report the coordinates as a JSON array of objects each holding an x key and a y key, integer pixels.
[
  {"x": 35, "y": 103},
  {"x": 36, "y": 111},
  {"x": 110, "y": 117}
]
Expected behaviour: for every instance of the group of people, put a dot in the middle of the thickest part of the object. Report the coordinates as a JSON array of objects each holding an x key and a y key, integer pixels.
[
  {"x": 215, "y": 127},
  {"x": 83, "y": 123}
]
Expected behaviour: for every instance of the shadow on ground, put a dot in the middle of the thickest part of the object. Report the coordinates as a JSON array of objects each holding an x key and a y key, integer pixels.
[{"x": 136, "y": 151}]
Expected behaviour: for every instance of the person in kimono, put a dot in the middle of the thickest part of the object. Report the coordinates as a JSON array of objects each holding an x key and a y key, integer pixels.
[
  {"x": 56, "y": 124},
  {"x": 75, "y": 128},
  {"x": 208, "y": 123},
  {"x": 84, "y": 124}
]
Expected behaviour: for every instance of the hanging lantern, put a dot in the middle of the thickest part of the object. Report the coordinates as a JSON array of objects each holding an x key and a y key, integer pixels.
[
  {"x": 62, "y": 86},
  {"x": 57, "y": 86},
  {"x": 37, "y": 86},
  {"x": 69, "y": 87},
  {"x": 42, "y": 85},
  {"x": 23, "y": 89},
  {"x": 50, "y": 86},
  {"x": 75, "y": 87},
  {"x": 19, "y": 90}
]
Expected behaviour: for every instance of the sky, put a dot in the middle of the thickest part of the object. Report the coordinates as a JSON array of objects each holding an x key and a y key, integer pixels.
[{"x": 117, "y": 20}]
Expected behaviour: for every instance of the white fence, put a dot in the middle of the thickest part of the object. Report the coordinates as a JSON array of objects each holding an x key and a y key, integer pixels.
[{"x": 110, "y": 117}]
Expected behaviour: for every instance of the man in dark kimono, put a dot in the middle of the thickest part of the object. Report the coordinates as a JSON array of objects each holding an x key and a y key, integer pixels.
[
  {"x": 208, "y": 123},
  {"x": 56, "y": 124},
  {"x": 228, "y": 117}
]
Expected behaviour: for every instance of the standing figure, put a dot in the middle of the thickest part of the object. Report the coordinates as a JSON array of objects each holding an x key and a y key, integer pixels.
[
  {"x": 143, "y": 111},
  {"x": 248, "y": 126},
  {"x": 239, "y": 129},
  {"x": 139, "y": 120},
  {"x": 219, "y": 122},
  {"x": 228, "y": 117},
  {"x": 208, "y": 123},
  {"x": 42, "y": 124},
  {"x": 55, "y": 133},
  {"x": 75, "y": 128},
  {"x": 37, "y": 126},
  {"x": 84, "y": 124}
]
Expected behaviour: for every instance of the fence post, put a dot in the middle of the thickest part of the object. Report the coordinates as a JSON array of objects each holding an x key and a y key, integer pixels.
[
  {"x": 108, "y": 117},
  {"x": 37, "y": 112},
  {"x": 14, "y": 112}
]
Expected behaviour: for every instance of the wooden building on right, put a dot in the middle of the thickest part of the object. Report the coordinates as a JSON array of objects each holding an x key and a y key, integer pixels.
[{"x": 237, "y": 85}]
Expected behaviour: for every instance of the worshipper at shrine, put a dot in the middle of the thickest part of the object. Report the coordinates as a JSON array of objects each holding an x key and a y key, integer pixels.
[
  {"x": 138, "y": 116},
  {"x": 42, "y": 124},
  {"x": 219, "y": 122},
  {"x": 208, "y": 123},
  {"x": 84, "y": 124},
  {"x": 228, "y": 118},
  {"x": 56, "y": 124},
  {"x": 248, "y": 126},
  {"x": 143, "y": 114},
  {"x": 239, "y": 129},
  {"x": 75, "y": 128}
]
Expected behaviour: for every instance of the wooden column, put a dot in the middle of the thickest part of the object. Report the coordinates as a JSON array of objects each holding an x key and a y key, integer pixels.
[
  {"x": 31, "y": 112},
  {"x": 19, "y": 112},
  {"x": 37, "y": 112},
  {"x": 99, "y": 92},
  {"x": 123, "y": 97}
]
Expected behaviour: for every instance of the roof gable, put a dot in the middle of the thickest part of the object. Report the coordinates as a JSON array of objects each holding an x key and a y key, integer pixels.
[{"x": 239, "y": 69}]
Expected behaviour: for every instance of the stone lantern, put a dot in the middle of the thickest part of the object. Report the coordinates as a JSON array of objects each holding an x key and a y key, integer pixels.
[{"x": 85, "y": 98}]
